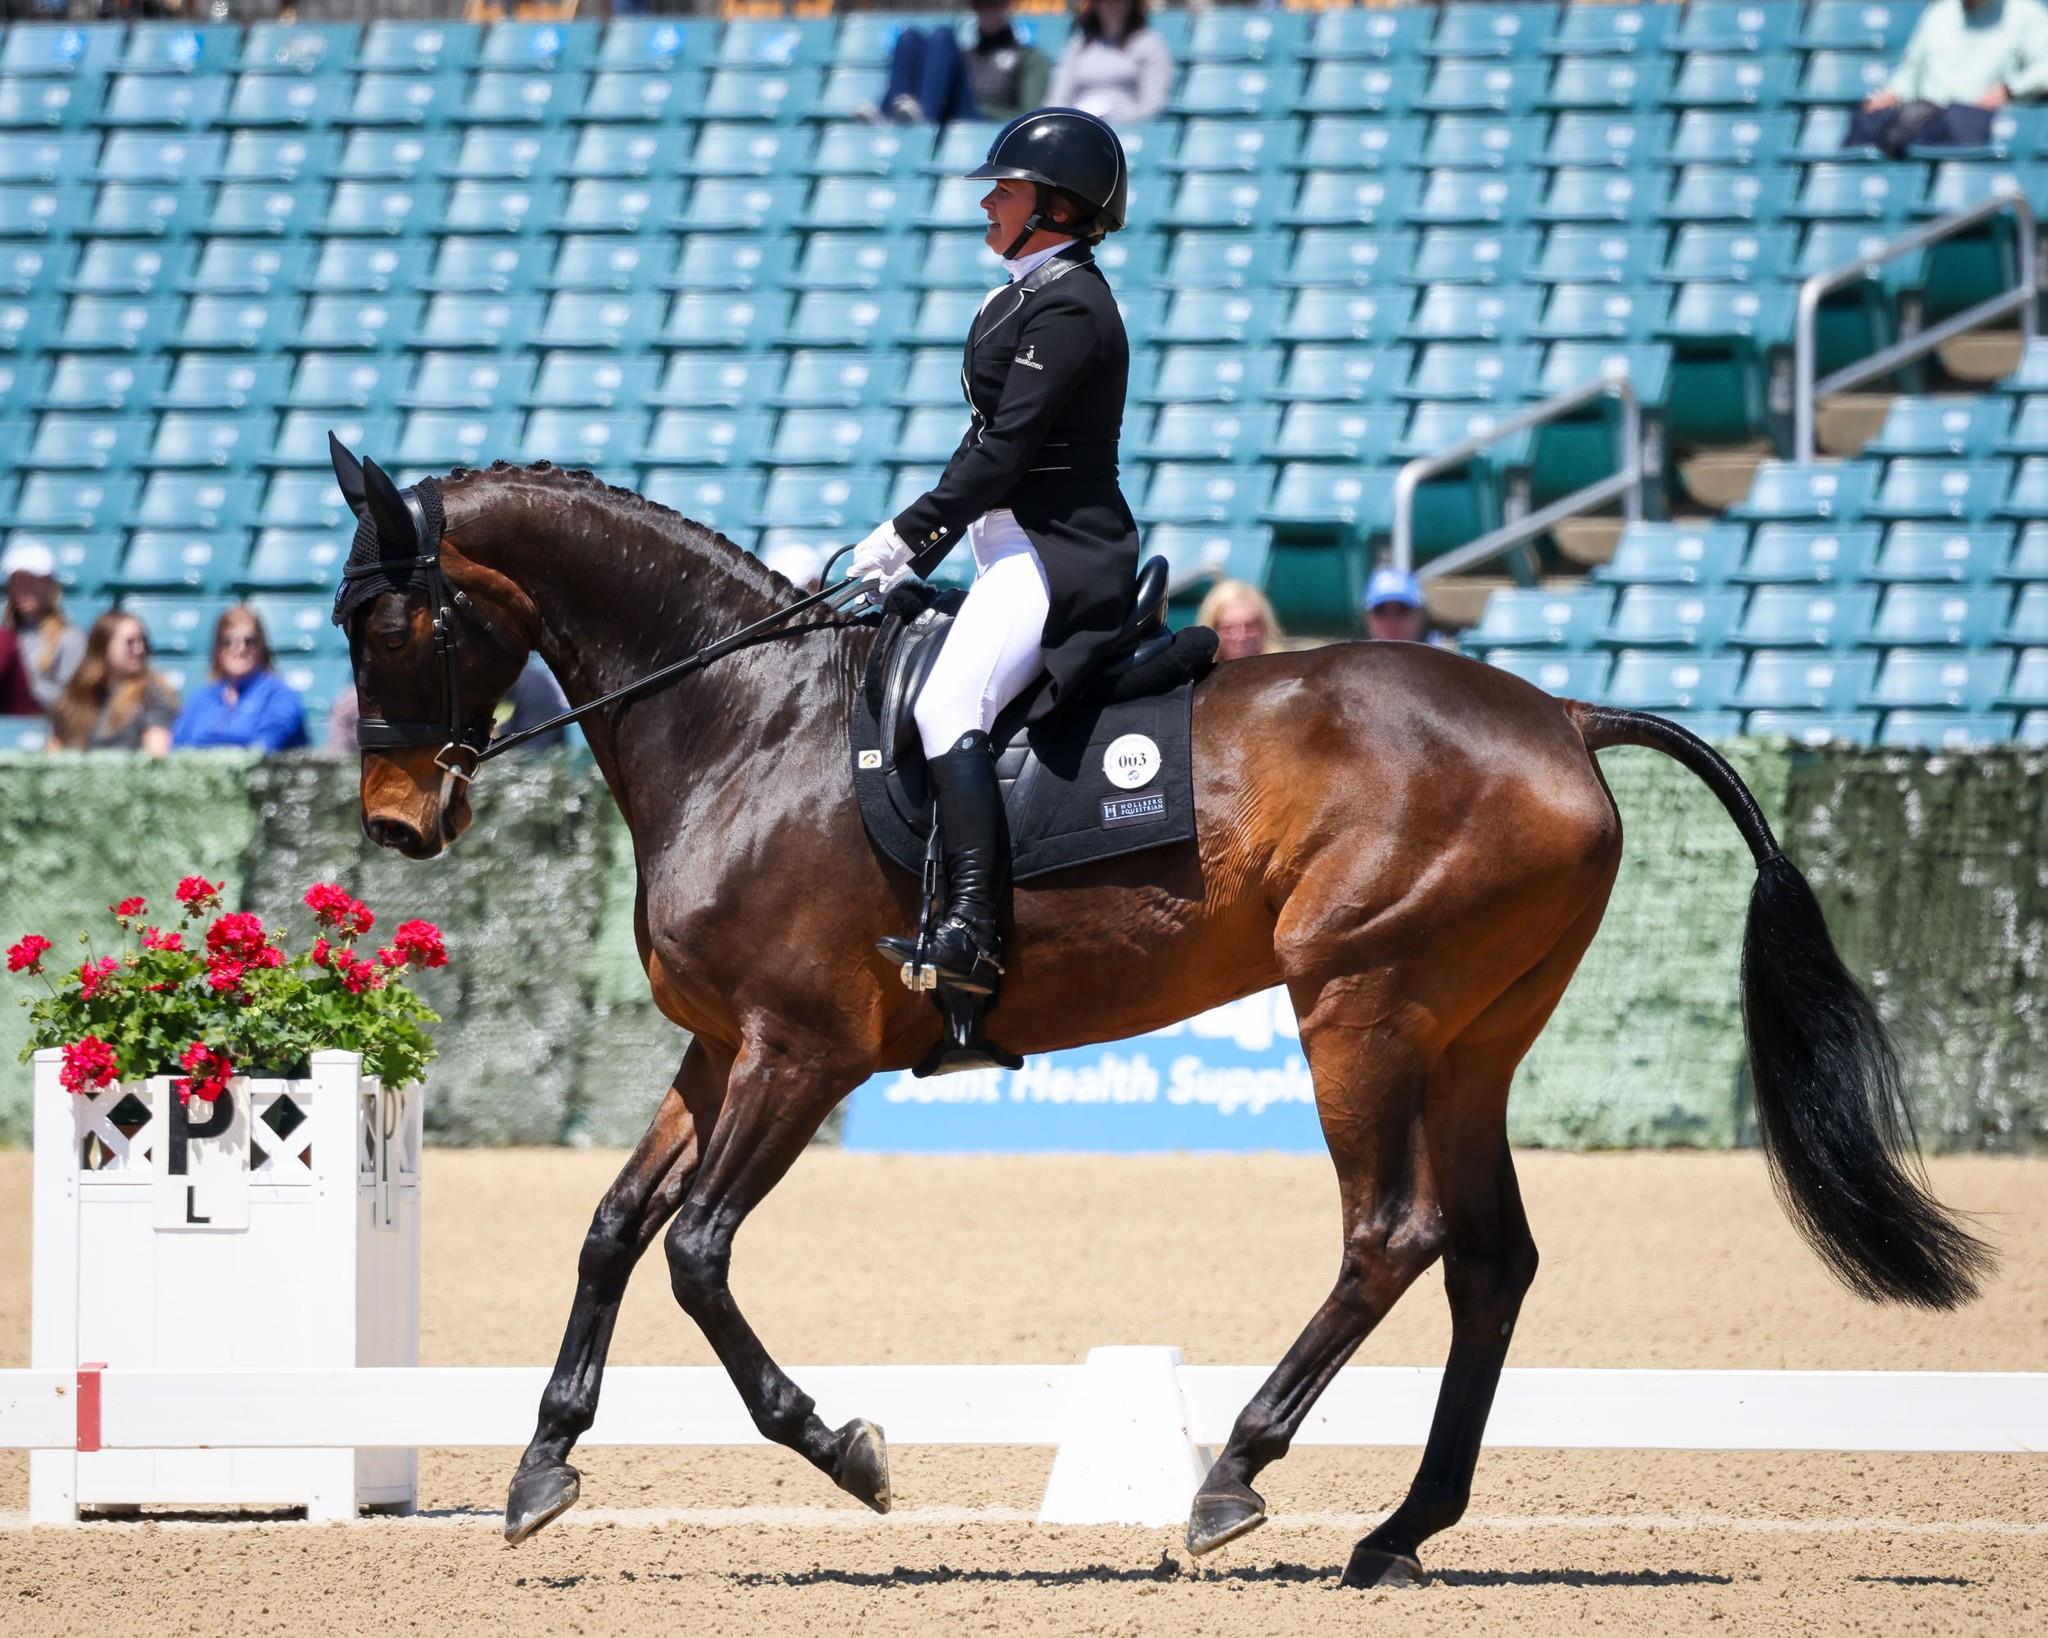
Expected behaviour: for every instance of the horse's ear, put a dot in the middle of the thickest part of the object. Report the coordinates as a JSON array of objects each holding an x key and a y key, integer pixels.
[
  {"x": 348, "y": 472},
  {"x": 388, "y": 510}
]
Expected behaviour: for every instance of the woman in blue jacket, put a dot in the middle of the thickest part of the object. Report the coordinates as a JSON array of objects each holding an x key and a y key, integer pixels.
[{"x": 247, "y": 703}]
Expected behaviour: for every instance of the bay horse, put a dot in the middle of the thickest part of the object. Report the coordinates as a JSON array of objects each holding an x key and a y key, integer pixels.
[{"x": 1417, "y": 845}]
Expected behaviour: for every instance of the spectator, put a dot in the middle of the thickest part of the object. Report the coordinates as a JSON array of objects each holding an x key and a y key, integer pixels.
[
  {"x": 50, "y": 645},
  {"x": 1242, "y": 619},
  {"x": 246, "y": 703},
  {"x": 17, "y": 699},
  {"x": 115, "y": 701},
  {"x": 1114, "y": 66},
  {"x": 535, "y": 697},
  {"x": 1394, "y": 611},
  {"x": 1966, "y": 60},
  {"x": 934, "y": 80}
]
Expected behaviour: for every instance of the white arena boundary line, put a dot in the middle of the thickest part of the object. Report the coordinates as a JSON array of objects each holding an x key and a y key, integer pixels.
[{"x": 1127, "y": 1425}]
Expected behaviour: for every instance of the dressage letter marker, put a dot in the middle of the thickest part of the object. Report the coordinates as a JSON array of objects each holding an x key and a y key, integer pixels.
[{"x": 202, "y": 1169}]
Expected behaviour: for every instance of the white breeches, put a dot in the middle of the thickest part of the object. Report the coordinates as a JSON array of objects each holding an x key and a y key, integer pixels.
[{"x": 993, "y": 651}]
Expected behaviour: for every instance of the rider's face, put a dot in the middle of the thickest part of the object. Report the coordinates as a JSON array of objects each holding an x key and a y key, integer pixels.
[{"x": 1008, "y": 207}]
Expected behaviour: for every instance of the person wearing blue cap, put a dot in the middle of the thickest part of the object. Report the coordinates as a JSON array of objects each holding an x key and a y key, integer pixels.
[{"x": 1393, "y": 607}]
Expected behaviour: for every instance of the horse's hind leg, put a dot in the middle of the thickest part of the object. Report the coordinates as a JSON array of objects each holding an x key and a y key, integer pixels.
[
  {"x": 644, "y": 1196},
  {"x": 1369, "y": 1087}
]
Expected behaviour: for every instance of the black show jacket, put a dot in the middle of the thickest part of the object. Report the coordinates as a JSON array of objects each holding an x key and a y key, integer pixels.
[{"x": 1046, "y": 369}]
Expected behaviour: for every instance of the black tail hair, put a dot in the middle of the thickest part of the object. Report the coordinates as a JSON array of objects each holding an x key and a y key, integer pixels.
[{"x": 1837, "y": 1131}]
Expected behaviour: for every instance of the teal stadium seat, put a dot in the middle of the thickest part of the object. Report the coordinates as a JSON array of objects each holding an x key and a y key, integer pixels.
[
  {"x": 305, "y": 501},
  {"x": 1482, "y": 142},
  {"x": 1217, "y": 147},
  {"x": 140, "y": 210},
  {"x": 836, "y": 379},
  {"x": 835, "y": 437},
  {"x": 608, "y": 321},
  {"x": 411, "y": 100},
  {"x": 1710, "y": 253},
  {"x": 160, "y": 560},
  {"x": 79, "y": 443},
  {"x": 1572, "y": 676},
  {"x": 439, "y": 439},
  {"x": 195, "y": 501},
  {"x": 148, "y": 99},
  {"x": 1213, "y": 375},
  {"x": 1359, "y": 87},
  {"x": 602, "y": 264},
  {"x": 1786, "y": 491},
  {"x": 1460, "y": 312},
  {"x": 1199, "y": 494},
  {"x": 1342, "y": 142},
  {"x": 774, "y": 43},
  {"x": 1341, "y": 375},
  {"x": 492, "y": 323},
  {"x": 1245, "y": 36},
  {"x": 497, "y": 99},
  {"x": 681, "y": 437},
  {"x": 1460, "y": 199},
  {"x": 25, "y": 326},
  {"x": 1935, "y": 554},
  {"x": 287, "y": 101},
  {"x": 1808, "y": 554},
  {"x": 2029, "y": 559},
  {"x": 374, "y": 155},
  {"x": 75, "y": 49},
  {"x": 2028, "y": 687},
  {"x": 363, "y": 267},
  {"x": 2028, "y": 623},
  {"x": 1188, "y": 432},
  {"x": 464, "y": 381},
  {"x": 293, "y": 560},
  {"x": 1597, "y": 312},
  {"x": 487, "y": 266},
  {"x": 2028, "y": 430},
  {"x": 1517, "y": 617},
  {"x": 121, "y": 267},
  {"x": 489, "y": 155},
  {"x": 1245, "y": 90},
  {"x": 1197, "y": 557},
  {"x": 1939, "y": 680},
  {"x": 1969, "y": 428},
  {"x": 205, "y": 441},
  {"x": 1596, "y": 139},
  {"x": 1939, "y": 616},
  {"x": 1324, "y": 314},
  {"x": 1470, "y": 256},
  {"x": 819, "y": 498},
  {"x": 47, "y": 104},
  {"x": 658, "y": 44},
  {"x": 1582, "y": 194},
  {"x": 204, "y": 381},
  {"x": 641, "y": 99},
  {"x": 585, "y": 438},
  {"x": 1856, "y": 25},
  {"x": 1232, "y": 317},
  {"x": 778, "y": 97},
  {"x": 1734, "y": 136},
  {"x": 1873, "y": 193},
  {"x": 849, "y": 261},
  {"x": 1468, "y": 29},
  {"x": 1340, "y": 257},
  {"x": 303, "y": 49},
  {"x": 931, "y": 376},
  {"x": 574, "y": 380},
  {"x": 50, "y": 157},
  {"x": 244, "y": 324},
  {"x": 1944, "y": 731},
  {"x": 1491, "y": 374},
  {"x": 1796, "y": 680},
  {"x": 1230, "y": 199},
  {"x": 1592, "y": 31},
  {"x": 1732, "y": 79},
  {"x": 719, "y": 380},
  {"x": 279, "y": 156},
  {"x": 262, "y": 210},
  {"x": 297, "y": 624},
  {"x": 349, "y": 382},
  {"x": 858, "y": 149},
  {"x": 726, "y": 501},
  {"x": 102, "y": 324},
  {"x": 62, "y": 501},
  {"x": 1728, "y": 193},
  {"x": 424, "y": 48},
  {"x": 1648, "y": 680},
  {"x": 359, "y": 323},
  {"x": 745, "y": 149},
  {"x": 1965, "y": 491},
  {"x": 178, "y": 623},
  {"x": 1672, "y": 617},
  {"x": 1234, "y": 261},
  {"x": 1333, "y": 432},
  {"x": 1842, "y": 77},
  {"x": 618, "y": 151},
  {"x": 1829, "y": 617},
  {"x": 302, "y": 436},
  {"x": 500, "y": 207},
  {"x": 384, "y": 207},
  {"x": 859, "y": 203},
  {"x": 836, "y": 319},
  {"x": 540, "y": 46},
  {"x": 1369, "y": 35},
  {"x": 1474, "y": 87},
  {"x": 1760, "y": 26},
  {"x": 1607, "y": 82},
  {"x": 742, "y": 205},
  {"x": 1813, "y": 729},
  {"x": 1343, "y": 506},
  {"x": 1674, "y": 554}
]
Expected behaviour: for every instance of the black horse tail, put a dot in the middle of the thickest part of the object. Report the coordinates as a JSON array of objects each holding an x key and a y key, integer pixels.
[{"x": 1837, "y": 1132}]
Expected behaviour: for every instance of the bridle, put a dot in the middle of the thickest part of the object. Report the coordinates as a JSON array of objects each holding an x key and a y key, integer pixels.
[{"x": 471, "y": 738}]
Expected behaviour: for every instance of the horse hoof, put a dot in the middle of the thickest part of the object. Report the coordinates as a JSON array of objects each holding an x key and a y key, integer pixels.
[
  {"x": 1223, "y": 1515},
  {"x": 863, "y": 1466},
  {"x": 1376, "y": 1567},
  {"x": 538, "y": 1496}
]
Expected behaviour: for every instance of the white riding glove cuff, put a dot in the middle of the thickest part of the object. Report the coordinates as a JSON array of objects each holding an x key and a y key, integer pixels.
[{"x": 882, "y": 556}]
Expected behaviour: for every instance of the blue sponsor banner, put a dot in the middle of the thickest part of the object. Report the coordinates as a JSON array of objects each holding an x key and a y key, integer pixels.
[{"x": 1230, "y": 1079}]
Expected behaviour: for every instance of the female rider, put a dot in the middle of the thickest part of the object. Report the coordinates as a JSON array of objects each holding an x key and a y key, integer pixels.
[{"x": 1033, "y": 489}]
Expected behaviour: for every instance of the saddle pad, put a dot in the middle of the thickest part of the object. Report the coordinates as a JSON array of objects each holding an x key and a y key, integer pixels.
[{"x": 1095, "y": 782}]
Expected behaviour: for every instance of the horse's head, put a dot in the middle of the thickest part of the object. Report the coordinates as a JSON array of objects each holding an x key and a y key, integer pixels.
[{"x": 436, "y": 640}]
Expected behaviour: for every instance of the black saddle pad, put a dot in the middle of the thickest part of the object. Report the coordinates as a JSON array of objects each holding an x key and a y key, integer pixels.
[{"x": 1106, "y": 776}]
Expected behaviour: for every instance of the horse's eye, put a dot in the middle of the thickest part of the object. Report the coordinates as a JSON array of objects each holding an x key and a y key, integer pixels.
[{"x": 395, "y": 641}]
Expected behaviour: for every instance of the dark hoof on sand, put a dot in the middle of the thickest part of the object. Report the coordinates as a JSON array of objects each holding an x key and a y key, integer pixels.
[
  {"x": 538, "y": 1496},
  {"x": 1223, "y": 1515},
  {"x": 863, "y": 1466},
  {"x": 1375, "y": 1567}
]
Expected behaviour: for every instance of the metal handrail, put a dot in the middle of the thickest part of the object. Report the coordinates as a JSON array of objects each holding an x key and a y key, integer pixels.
[
  {"x": 1627, "y": 483},
  {"x": 1807, "y": 393}
]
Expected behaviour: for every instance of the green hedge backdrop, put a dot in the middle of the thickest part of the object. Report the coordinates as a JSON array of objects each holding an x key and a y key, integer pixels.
[{"x": 1931, "y": 870}]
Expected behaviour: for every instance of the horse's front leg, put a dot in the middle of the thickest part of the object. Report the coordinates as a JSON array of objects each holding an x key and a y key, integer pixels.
[
  {"x": 644, "y": 1196},
  {"x": 776, "y": 1098}
]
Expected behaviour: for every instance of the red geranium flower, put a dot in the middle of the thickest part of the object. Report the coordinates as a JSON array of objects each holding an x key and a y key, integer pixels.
[
  {"x": 224, "y": 973},
  {"x": 420, "y": 943},
  {"x": 321, "y": 951},
  {"x": 198, "y": 895},
  {"x": 128, "y": 909},
  {"x": 92, "y": 974},
  {"x": 391, "y": 957},
  {"x": 87, "y": 1063},
  {"x": 27, "y": 956},
  {"x": 156, "y": 939},
  {"x": 335, "y": 907},
  {"x": 239, "y": 935},
  {"x": 356, "y": 974},
  {"x": 210, "y": 1071}
]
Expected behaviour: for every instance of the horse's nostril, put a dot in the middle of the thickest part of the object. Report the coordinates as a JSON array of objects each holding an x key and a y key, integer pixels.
[{"x": 394, "y": 833}]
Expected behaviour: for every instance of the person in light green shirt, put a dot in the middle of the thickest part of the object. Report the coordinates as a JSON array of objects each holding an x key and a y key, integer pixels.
[{"x": 1966, "y": 60}]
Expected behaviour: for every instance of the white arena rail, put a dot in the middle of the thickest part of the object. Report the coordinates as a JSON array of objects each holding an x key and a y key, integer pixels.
[{"x": 1127, "y": 1426}]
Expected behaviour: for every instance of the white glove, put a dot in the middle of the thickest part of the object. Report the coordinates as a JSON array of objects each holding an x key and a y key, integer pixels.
[{"x": 882, "y": 556}]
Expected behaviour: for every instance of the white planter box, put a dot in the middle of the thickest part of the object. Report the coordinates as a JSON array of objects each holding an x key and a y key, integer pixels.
[{"x": 327, "y": 1273}]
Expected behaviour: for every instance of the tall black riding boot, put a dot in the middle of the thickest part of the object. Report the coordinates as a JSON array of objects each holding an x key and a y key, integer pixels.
[{"x": 966, "y": 950}]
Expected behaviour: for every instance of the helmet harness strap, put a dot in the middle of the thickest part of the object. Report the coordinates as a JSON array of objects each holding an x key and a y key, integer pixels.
[{"x": 1041, "y": 205}]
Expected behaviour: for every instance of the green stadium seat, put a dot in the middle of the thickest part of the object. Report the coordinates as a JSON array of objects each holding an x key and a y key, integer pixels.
[
  {"x": 78, "y": 443},
  {"x": 1674, "y": 554},
  {"x": 62, "y": 501},
  {"x": 1671, "y": 617},
  {"x": 1966, "y": 491},
  {"x": 1340, "y": 142},
  {"x": 1739, "y": 136},
  {"x": 1597, "y": 139},
  {"x": 1929, "y": 616},
  {"x": 1607, "y": 82},
  {"x": 818, "y": 498},
  {"x": 1213, "y": 375},
  {"x": 104, "y": 324},
  {"x": 302, "y": 437},
  {"x": 640, "y": 99},
  {"x": 1727, "y": 193},
  {"x": 205, "y": 381},
  {"x": 1572, "y": 676},
  {"x": 1341, "y": 375},
  {"x": 857, "y": 149},
  {"x": 1715, "y": 253},
  {"x": 1873, "y": 193},
  {"x": 279, "y": 156},
  {"x": 2028, "y": 624},
  {"x": 488, "y": 266},
  {"x": 1942, "y": 555},
  {"x": 305, "y": 501},
  {"x": 1648, "y": 680},
  {"x": 107, "y": 267},
  {"x": 1529, "y": 618},
  {"x": 372, "y": 324},
  {"x": 1814, "y": 554},
  {"x": 2028, "y": 687},
  {"x": 1192, "y": 432},
  {"x": 293, "y": 560},
  {"x": 1224, "y": 261},
  {"x": 417, "y": 47},
  {"x": 148, "y": 99},
  {"x": 178, "y": 623},
  {"x": 725, "y": 500},
  {"x": 574, "y": 380},
  {"x": 287, "y": 101},
  {"x": 464, "y": 381},
  {"x": 1827, "y": 617},
  {"x": 145, "y": 210},
  {"x": 1462, "y": 312},
  {"x": 245, "y": 324},
  {"x": 1358, "y": 87},
  {"x": 735, "y": 94},
  {"x": 619, "y": 151},
  {"x": 1464, "y": 198},
  {"x": 194, "y": 501},
  {"x": 348, "y": 382},
  {"x": 1192, "y": 493},
  {"x": 1339, "y": 257},
  {"x": 580, "y": 438},
  {"x": 1939, "y": 680},
  {"x": 414, "y": 100},
  {"x": 658, "y": 43},
  {"x": 1456, "y": 87},
  {"x": 1799, "y": 680},
  {"x": 1597, "y": 312},
  {"x": 177, "y": 562},
  {"x": 360, "y": 266},
  {"x": 1481, "y": 28},
  {"x": 439, "y": 439},
  {"x": 1490, "y": 374},
  {"x": 682, "y": 437},
  {"x": 1945, "y": 731},
  {"x": 490, "y": 322},
  {"x": 204, "y": 441},
  {"x": 261, "y": 210},
  {"x": 1814, "y": 729},
  {"x": 1470, "y": 256}
]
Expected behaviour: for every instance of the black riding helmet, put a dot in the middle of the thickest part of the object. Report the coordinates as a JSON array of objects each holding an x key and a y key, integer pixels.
[{"x": 1063, "y": 150}]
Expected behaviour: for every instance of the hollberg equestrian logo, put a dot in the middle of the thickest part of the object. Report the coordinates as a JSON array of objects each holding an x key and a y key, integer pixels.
[
  {"x": 1131, "y": 761},
  {"x": 1029, "y": 358}
]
